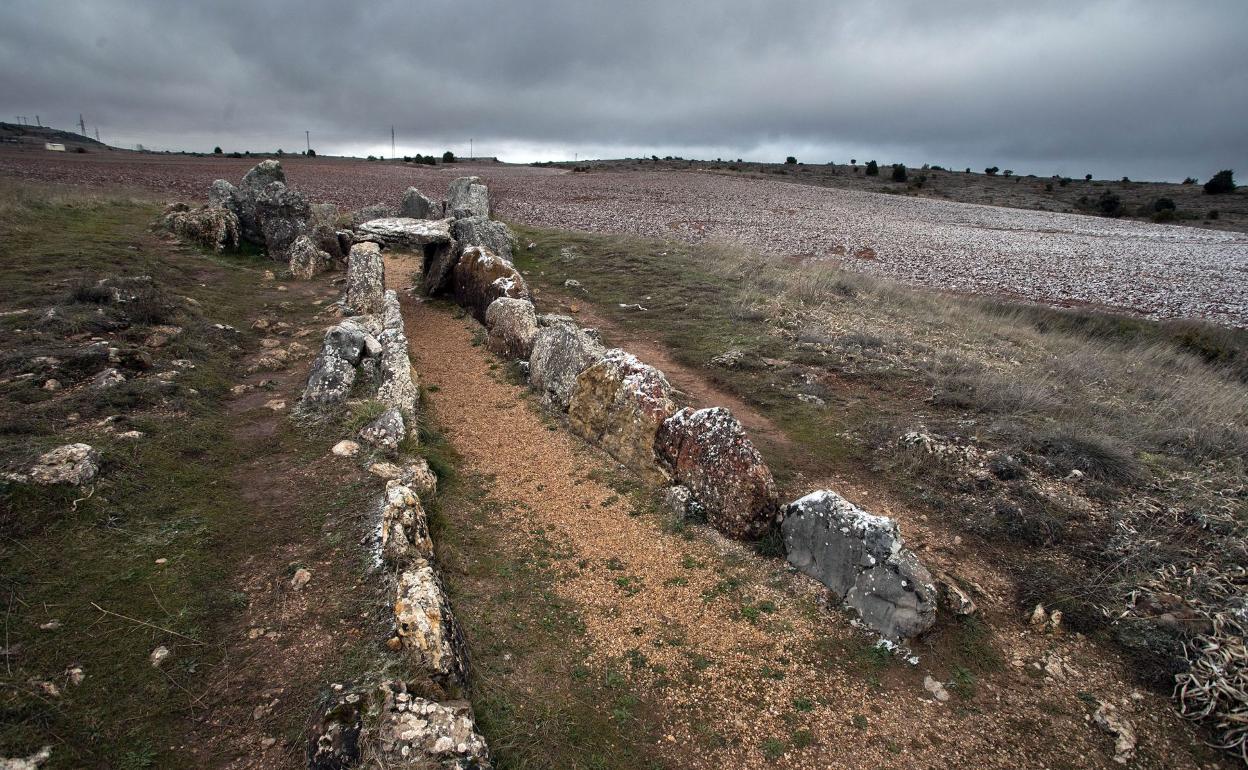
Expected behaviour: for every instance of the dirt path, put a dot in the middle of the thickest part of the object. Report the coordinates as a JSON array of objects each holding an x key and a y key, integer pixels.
[{"x": 743, "y": 666}]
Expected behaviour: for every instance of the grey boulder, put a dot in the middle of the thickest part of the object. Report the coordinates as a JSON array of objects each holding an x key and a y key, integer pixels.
[
  {"x": 485, "y": 232},
  {"x": 512, "y": 325},
  {"x": 560, "y": 353},
  {"x": 386, "y": 432},
  {"x": 416, "y": 206},
  {"x": 308, "y": 260},
  {"x": 862, "y": 559},
  {"x": 74, "y": 464},
  {"x": 467, "y": 197},
  {"x": 366, "y": 279}
]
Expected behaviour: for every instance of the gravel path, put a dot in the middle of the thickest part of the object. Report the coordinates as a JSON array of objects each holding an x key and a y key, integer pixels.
[{"x": 1161, "y": 271}]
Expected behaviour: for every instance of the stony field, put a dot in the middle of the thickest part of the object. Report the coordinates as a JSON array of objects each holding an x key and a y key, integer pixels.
[{"x": 1160, "y": 271}]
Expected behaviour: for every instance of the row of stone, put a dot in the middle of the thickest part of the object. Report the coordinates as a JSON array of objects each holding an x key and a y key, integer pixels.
[
  {"x": 704, "y": 456},
  {"x": 422, "y": 720}
]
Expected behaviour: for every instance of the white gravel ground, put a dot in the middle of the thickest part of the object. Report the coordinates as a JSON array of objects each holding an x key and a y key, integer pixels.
[{"x": 1162, "y": 271}]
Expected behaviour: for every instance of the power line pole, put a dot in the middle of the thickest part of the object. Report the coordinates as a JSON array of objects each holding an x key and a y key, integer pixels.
[
  {"x": 82, "y": 124},
  {"x": 392, "y": 142},
  {"x": 38, "y": 122},
  {"x": 97, "y": 133},
  {"x": 470, "y": 155},
  {"x": 307, "y": 138}
]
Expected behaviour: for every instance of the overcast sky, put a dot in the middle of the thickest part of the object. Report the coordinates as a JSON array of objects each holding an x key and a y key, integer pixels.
[{"x": 1146, "y": 89}]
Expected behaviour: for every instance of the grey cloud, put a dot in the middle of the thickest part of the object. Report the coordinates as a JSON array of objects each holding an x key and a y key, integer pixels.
[{"x": 1141, "y": 88}]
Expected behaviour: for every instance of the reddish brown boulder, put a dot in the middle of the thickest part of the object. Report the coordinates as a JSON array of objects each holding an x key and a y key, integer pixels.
[
  {"x": 707, "y": 451},
  {"x": 482, "y": 277}
]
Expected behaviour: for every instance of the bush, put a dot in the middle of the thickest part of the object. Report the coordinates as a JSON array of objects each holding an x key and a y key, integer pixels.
[
  {"x": 1007, "y": 173},
  {"x": 1164, "y": 204},
  {"x": 311, "y": 153},
  {"x": 1221, "y": 182},
  {"x": 1109, "y": 204},
  {"x": 991, "y": 170},
  {"x": 1087, "y": 177},
  {"x": 448, "y": 157},
  {"x": 899, "y": 172},
  {"x": 873, "y": 168},
  {"x": 791, "y": 161},
  {"x": 216, "y": 150},
  {"x": 1189, "y": 180},
  {"x": 1165, "y": 215},
  {"x": 236, "y": 155},
  {"x": 372, "y": 157}
]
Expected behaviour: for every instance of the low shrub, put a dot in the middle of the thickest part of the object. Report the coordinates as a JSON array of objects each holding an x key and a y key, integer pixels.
[
  {"x": 873, "y": 168},
  {"x": 899, "y": 172},
  {"x": 1221, "y": 183}
]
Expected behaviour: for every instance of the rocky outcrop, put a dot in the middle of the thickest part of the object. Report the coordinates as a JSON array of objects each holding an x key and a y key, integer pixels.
[
  {"x": 397, "y": 386},
  {"x": 416, "y": 206},
  {"x": 560, "y": 353},
  {"x": 404, "y": 533},
  {"x": 482, "y": 277},
  {"x": 74, "y": 464},
  {"x": 512, "y": 325},
  {"x": 212, "y": 227},
  {"x": 619, "y": 403},
  {"x": 467, "y": 197},
  {"x": 405, "y": 233},
  {"x": 366, "y": 279},
  {"x": 418, "y": 733},
  {"x": 484, "y": 232},
  {"x": 862, "y": 559},
  {"x": 708, "y": 452},
  {"x": 425, "y": 627},
  {"x": 307, "y": 260}
]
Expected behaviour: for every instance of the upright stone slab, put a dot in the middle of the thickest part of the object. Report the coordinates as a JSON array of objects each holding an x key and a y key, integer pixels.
[
  {"x": 366, "y": 279},
  {"x": 467, "y": 197},
  {"x": 619, "y": 403},
  {"x": 482, "y": 277},
  {"x": 561, "y": 351},
  {"x": 485, "y": 232},
  {"x": 512, "y": 324},
  {"x": 707, "y": 451},
  {"x": 416, "y": 206},
  {"x": 862, "y": 559}
]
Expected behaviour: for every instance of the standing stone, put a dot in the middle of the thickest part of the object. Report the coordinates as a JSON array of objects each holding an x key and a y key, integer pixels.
[
  {"x": 485, "y": 232},
  {"x": 397, "y": 387},
  {"x": 245, "y": 196},
  {"x": 282, "y": 215},
  {"x": 512, "y": 324},
  {"x": 619, "y": 403},
  {"x": 467, "y": 197},
  {"x": 334, "y": 370},
  {"x": 386, "y": 432},
  {"x": 307, "y": 260},
  {"x": 560, "y": 353},
  {"x": 366, "y": 279},
  {"x": 482, "y": 277},
  {"x": 707, "y": 451},
  {"x": 416, "y": 206},
  {"x": 862, "y": 559},
  {"x": 426, "y": 628}
]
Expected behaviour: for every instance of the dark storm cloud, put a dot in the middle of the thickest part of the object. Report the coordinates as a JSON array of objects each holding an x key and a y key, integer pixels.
[{"x": 1140, "y": 88}]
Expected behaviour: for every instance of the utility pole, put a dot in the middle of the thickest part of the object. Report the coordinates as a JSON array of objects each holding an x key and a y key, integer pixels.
[
  {"x": 38, "y": 122},
  {"x": 82, "y": 124},
  {"x": 307, "y": 138},
  {"x": 470, "y": 149},
  {"x": 97, "y": 133},
  {"x": 391, "y": 142}
]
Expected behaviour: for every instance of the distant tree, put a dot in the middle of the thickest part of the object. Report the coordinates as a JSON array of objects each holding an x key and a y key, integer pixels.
[
  {"x": 1190, "y": 180},
  {"x": 372, "y": 157},
  {"x": 216, "y": 150},
  {"x": 279, "y": 151},
  {"x": 899, "y": 172},
  {"x": 311, "y": 153},
  {"x": 1007, "y": 173},
  {"x": 968, "y": 170},
  {"x": 1221, "y": 182},
  {"x": 448, "y": 157},
  {"x": 792, "y": 161},
  {"x": 873, "y": 168},
  {"x": 991, "y": 170},
  {"x": 1126, "y": 180},
  {"x": 1087, "y": 177},
  {"x": 853, "y": 161}
]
